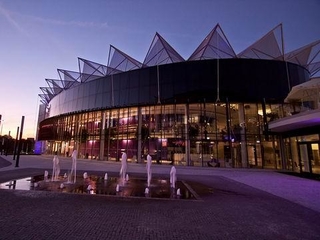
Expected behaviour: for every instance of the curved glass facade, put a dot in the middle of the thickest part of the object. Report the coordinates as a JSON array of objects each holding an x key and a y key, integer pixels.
[
  {"x": 171, "y": 112},
  {"x": 188, "y": 134}
]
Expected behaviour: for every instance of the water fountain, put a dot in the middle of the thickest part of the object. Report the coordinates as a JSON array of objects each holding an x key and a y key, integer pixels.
[
  {"x": 147, "y": 192},
  {"x": 173, "y": 177},
  {"x": 109, "y": 185},
  {"x": 95, "y": 184},
  {"x": 46, "y": 174},
  {"x": 149, "y": 173},
  {"x": 178, "y": 192},
  {"x": 74, "y": 165},
  {"x": 123, "y": 169},
  {"x": 89, "y": 188},
  {"x": 55, "y": 168}
]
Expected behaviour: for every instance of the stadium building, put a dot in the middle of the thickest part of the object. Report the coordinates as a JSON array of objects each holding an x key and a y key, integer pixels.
[{"x": 258, "y": 108}]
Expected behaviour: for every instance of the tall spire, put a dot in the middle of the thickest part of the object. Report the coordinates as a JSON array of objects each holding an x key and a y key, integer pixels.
[
  {"x": 270, "y": 46},
  {"x": 120, "y": 62},
  {"x": 160, "y": 52},
  {"x": 214, "y": 46}
]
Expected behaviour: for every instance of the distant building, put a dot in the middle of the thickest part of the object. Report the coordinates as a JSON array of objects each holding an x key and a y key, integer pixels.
[{"x": 216, "y": 106}]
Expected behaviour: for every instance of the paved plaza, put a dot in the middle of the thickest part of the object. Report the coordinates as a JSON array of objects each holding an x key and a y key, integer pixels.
[{"x": 241, "y": 204}]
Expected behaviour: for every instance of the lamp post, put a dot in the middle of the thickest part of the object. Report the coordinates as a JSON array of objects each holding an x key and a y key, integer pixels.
[
  {"x": 1, "y": 126},
  {"x": 16, "y": 142},
  {"x": 2, "y": 140},
  {"x": 19, "y": 143}
]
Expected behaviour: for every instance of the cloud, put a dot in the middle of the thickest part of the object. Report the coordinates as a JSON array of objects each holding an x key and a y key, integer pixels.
[
  {"x": 8, "y": 15},
  {"x": 71, "y": 23}
]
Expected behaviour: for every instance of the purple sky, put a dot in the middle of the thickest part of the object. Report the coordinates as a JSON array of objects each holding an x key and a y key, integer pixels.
[{"x": 38, "y": 37}]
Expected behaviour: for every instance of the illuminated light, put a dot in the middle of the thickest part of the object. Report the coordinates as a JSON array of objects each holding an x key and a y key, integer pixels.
[
  {"x": 162, "y": 139},
  {"x": 260, "y": 112},
  {"x": 164, "y": 144},
  {"x": 258, "y": 141}
]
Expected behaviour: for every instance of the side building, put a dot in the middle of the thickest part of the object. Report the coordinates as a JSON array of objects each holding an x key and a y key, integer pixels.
[{"x": 214, "y": 107}]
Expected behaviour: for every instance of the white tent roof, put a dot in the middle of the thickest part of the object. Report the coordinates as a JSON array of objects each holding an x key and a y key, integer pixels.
[{"x": 308, "y": 91}]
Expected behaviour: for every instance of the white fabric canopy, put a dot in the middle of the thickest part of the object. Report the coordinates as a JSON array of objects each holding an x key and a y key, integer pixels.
[{"x": 308, "y": 91}]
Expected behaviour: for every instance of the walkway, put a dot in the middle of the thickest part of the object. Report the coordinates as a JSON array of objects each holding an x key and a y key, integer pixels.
[{"x": 244, "y": 204}]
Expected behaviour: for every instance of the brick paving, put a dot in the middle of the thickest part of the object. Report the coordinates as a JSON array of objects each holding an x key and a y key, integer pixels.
[{"x": 234, "y": 209}]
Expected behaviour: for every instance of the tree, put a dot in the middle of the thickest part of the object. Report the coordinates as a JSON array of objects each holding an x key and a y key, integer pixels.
[
  {"x": 193, "y": 131},
  {"x": 109, "y": 133},
  {"x": 84, "y": 135},
  {"x": 66, "y": 136},
  {"x": 145, "y": 134}
]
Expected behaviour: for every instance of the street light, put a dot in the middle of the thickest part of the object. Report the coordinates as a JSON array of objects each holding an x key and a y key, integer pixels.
[
  {"x": 1, "y": 124},
  {"x": 2, "y": 140}
]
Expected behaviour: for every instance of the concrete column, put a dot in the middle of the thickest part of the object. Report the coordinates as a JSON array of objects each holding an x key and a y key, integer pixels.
[
  {"x": 102, "y": 135},
  {"x": 139, "y": 135},
  {"x": 282, "y": 153},
  {"x": 304, "y": 157},
  {"x": 187, "y": 140},
  {"x": 243, "y": 141}
]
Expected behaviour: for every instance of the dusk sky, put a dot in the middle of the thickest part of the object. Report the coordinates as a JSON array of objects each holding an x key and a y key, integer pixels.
[{"x": 39, "y": 37}]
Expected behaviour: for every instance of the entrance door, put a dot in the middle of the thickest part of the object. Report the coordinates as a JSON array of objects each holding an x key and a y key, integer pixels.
[{"x": 309, "y": 157}]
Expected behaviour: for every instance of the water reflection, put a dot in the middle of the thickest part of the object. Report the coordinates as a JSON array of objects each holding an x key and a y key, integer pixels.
[{"x": 133, "y": 187}]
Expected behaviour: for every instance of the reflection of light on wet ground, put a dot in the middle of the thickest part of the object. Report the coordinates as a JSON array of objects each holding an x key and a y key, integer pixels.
[
  {"x": 20, "y": 184},
  {"x": 134, "y": 187}
]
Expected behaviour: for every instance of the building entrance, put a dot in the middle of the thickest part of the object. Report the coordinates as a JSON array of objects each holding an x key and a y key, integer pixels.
[{"x": 309, "y": 157}]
